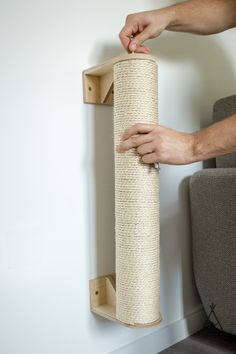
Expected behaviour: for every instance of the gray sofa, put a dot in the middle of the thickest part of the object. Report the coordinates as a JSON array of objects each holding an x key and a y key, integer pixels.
[{"x": 213, "y": 220}]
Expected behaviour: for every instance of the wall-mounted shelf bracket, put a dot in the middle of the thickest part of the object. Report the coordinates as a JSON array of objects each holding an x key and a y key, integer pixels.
[
  {"x": 103, "y": 300},
  {"x": 98, "y": 84},
  {"x": 103, "y": 296}
]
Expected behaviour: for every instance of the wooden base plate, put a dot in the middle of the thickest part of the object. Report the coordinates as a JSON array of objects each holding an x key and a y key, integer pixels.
[{"x": 103, "y": 301}]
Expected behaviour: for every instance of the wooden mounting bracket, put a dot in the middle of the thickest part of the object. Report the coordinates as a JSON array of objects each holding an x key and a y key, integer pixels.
[
  {"x": 103, "y": 300},
  {"x": 98, "y": 84}
]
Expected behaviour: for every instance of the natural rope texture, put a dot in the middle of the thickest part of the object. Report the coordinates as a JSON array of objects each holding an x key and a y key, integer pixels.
[{"x": 136, "y": 198}]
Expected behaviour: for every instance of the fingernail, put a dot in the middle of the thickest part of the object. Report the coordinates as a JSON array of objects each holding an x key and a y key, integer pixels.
[{"x": 133, "y": 46}]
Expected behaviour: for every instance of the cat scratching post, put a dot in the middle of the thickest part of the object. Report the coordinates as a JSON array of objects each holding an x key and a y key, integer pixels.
[{"x": 132, "y": 295}]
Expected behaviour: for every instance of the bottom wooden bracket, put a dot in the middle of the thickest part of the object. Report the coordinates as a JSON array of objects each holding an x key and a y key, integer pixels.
[{"x": 103, "y": 300}]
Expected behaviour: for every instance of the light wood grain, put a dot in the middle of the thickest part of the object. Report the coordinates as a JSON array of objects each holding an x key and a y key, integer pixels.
[
  {"x": 103, "y": 300},
  {"x": 98, "y": 80}
]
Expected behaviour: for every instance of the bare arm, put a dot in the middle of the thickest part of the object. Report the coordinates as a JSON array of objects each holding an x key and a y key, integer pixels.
[
  {"x": 204, "y": 16},
  {"x": 156, "y": 143},
  {"x": 193, "y": 16},
  {"x": 216, "y": 140}
]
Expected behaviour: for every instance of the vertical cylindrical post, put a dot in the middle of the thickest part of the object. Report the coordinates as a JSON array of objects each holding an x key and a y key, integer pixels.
[{"x": 136, "y": 197}]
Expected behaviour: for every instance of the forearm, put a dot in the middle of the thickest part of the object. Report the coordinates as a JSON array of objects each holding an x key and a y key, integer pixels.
[
  {"x": 216, "y": 140},
  {"x": 202, "y": 16}
]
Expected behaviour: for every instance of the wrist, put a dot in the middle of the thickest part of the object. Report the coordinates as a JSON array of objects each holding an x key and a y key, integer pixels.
[
  {"x": 167, "y": 16},
  {"x": 193, "y": 148},
  {"x": 170, "y": 14},
  {"x": 196, "y": 147}
]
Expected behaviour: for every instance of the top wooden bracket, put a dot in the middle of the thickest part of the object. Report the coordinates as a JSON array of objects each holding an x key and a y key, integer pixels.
[{"x": 98, "y": 82}]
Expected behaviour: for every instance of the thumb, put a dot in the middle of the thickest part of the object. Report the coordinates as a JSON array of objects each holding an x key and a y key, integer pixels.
[{"x": 139, "y": 39}]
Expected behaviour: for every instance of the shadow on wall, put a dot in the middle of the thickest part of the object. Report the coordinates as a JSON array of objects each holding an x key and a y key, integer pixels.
[
  {"x": 104, "y": 181},
  {"x": 102, "y": 121}
]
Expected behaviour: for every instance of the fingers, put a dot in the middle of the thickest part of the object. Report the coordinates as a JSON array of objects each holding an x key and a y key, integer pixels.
[
  {"x": 135, "y": 32},
  {"x": 133, "y": 142},
  {"x": 125, "y": 35},
  {"x": 145, "y": 149},
  {"x": 136, "y": 43},
  {"x": 139, "y": 128},
  {"x": 143, "y": 26},
  {"x": 142, "y": 49},
  {"x": 150, "y": 158}
]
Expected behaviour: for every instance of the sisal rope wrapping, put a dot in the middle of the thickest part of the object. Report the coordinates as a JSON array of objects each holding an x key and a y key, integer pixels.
[{"x": 136, "y": 198}]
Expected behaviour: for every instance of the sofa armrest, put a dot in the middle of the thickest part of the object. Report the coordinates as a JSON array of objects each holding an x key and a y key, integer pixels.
[{"x": 213, "y": 220}]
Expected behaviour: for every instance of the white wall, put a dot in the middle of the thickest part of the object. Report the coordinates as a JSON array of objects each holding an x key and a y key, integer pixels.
[{"x": 56, "y": 180}]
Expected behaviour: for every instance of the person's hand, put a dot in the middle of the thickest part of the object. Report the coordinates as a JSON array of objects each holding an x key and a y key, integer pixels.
[
  {"x": 156, "y": 143},
  {"x": 192, "y": 16},
  {"x": 142, "y": 26}
]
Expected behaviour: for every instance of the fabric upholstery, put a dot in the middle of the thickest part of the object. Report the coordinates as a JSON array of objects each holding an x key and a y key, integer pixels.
[{"x": 213, "y": 219}]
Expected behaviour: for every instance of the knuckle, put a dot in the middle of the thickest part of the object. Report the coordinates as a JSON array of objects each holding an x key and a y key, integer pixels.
[
  {"x": 129, "y": 16},
  {"x": 138, "y": 125},
  {"x": 121, "y": 146},
  {"x": 122, "y": 33},
  {"x": 160, "y": 128},
  {"x": 156, "y": 129},
  {"x": 161, "y": 146},
  {"x": 144, "y": 159},
  {"x": 133, "y": 139},
  {"x": 140, "y": 150}
]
